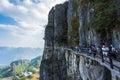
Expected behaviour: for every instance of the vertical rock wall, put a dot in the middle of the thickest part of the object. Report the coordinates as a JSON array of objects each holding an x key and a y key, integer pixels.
[
  {"x": 53, "y": 65},
  {"x": 67, "y": 25},
  {"x": 116, "y": 38},
  {"x": 83, "y": 14},
  {"x": 116, "y": 32}
]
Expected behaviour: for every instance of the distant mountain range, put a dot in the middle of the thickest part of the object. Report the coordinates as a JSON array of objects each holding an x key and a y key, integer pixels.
[{"x": 9, "y": 54}]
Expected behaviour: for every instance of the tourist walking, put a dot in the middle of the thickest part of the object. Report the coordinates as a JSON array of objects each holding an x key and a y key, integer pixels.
[
  {"x": 99, "y": 50},
  {"x": 105, "y": 51}
]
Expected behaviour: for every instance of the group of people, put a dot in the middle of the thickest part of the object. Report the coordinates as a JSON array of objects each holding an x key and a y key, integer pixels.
[
  {"x": 104, "y": 49},
  {"x": 108, "y": 50}
]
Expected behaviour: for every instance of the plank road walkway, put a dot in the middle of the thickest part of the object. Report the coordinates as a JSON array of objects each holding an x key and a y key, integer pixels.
[{"x": 106, "y": 63}]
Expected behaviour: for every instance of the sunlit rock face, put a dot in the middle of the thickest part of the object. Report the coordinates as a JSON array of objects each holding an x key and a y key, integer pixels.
[
  {"x": 67, "y": 27},
  {"x": 53, "y": 66}
]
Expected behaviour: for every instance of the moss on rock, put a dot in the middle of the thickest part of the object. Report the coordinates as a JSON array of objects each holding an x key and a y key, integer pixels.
[
  {"x": 105, "y": 15},
  {"x": 74, "y": 31}
]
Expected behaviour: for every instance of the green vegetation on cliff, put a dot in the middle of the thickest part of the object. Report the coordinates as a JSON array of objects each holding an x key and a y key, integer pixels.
[
  {"x": 105, "y": 15},
  {"x": 74, "y": 31}
]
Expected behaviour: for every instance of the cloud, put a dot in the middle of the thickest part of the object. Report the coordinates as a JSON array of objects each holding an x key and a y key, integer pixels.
[
  {"x": 30, "y": 17},
  {"x": 22, "y": 37}
]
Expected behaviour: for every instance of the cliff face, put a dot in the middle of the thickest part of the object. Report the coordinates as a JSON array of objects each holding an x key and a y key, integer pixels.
[
  {"x": 83, "y": 68},
  {"x": 79, "y": 14},
  {"x": 53, "y": 65},
  {"x": 73, "y": 23}
]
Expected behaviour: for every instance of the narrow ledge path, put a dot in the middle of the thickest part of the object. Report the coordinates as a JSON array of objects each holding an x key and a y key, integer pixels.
[{"x": 116, "y": 64}]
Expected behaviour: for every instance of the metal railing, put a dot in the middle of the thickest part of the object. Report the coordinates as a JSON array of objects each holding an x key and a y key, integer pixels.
[{"x": 98, "y": 55}]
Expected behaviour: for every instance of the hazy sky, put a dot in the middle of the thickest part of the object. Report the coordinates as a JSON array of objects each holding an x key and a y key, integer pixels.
[{"x": 22, "y": 21}]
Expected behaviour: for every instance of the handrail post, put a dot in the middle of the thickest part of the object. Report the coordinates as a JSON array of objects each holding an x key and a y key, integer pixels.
[
  {"x": 102, "y": 57},
  {"x": 111, "y": 62}
]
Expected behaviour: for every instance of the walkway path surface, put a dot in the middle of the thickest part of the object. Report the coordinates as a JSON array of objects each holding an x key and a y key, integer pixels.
[{"x": 106, "y": 63}]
